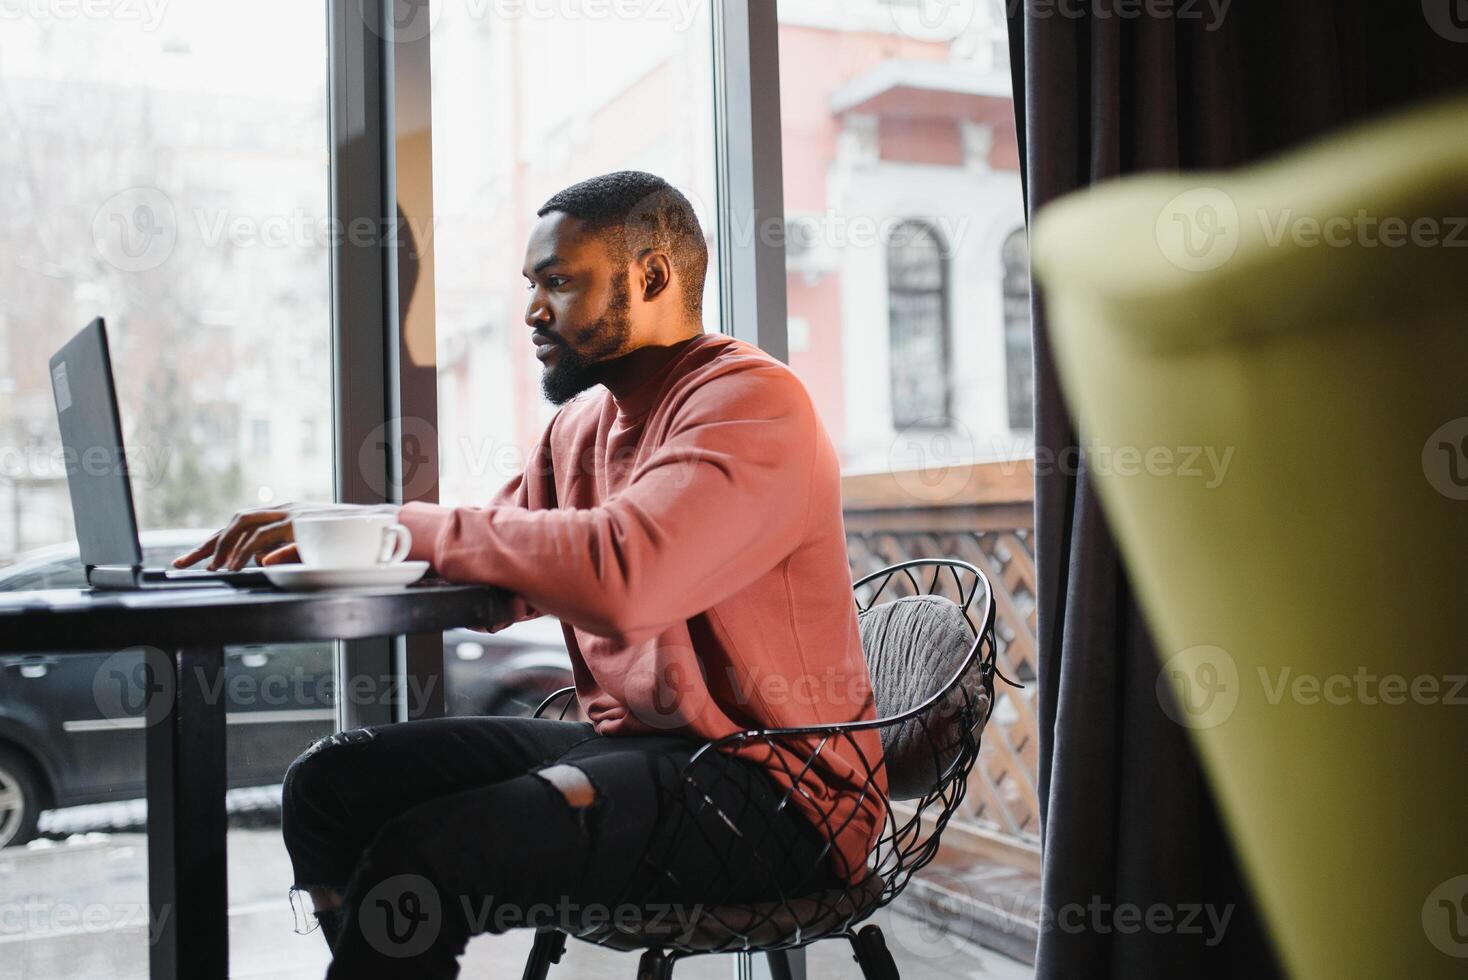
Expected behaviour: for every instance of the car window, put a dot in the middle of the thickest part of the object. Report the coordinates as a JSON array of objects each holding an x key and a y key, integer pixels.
[
  {"x": 19, "y": 583},
  {"x": 64, "y": 574}
]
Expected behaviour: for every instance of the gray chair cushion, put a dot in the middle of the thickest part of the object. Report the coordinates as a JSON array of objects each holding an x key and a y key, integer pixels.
[{"x": 914, "y": 645}]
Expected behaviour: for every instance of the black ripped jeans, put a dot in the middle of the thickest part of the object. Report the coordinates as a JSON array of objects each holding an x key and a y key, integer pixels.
[{"x": 440, "y": 829}]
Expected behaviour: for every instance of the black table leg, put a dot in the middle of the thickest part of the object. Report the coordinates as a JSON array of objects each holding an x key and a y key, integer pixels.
[{"x": 188, "y": 897}]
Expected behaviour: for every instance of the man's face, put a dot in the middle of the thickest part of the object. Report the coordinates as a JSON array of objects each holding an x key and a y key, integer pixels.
[{"x": 579, "y": 304}]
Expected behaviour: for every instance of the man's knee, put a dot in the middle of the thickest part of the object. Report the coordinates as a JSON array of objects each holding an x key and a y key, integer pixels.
[
  {"x": 572, "y": 782},
  {"x": 323, "y": 755}
]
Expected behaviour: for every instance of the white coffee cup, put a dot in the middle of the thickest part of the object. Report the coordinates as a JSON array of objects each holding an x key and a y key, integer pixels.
[{"x": 351, "y": 540}]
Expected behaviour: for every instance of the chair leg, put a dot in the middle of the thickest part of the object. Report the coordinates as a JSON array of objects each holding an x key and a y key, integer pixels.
[
  {"x": 779, "y": 961},
  {"x": 654, "y": 965},
  {"x": 873, "y": 956},
  {"x": 549, "y": 945}
]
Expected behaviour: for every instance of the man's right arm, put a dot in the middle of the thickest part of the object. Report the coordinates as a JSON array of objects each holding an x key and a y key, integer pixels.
[{"x": 266, "y": 534}]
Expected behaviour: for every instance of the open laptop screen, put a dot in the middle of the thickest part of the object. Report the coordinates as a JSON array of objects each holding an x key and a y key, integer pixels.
[{"x": 91, "y": 439}]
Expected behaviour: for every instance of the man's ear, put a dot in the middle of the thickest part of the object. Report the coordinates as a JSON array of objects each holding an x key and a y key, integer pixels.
[{"x": 656, "y": 272}]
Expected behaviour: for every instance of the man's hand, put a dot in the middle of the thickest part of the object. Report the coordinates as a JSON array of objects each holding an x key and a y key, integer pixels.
[{"x": 265, "y": 534}]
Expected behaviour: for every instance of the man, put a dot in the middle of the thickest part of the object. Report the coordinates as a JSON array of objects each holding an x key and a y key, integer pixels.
[{"x": 684, "y": 524}]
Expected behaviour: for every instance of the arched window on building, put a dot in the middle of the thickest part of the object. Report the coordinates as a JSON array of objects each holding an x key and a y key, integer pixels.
[
  {"x": 917, "y": 306},
  {"x": 1018, "y": 336}
]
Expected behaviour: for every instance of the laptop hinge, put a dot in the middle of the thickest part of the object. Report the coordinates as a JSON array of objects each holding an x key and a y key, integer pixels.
[{"x": 114, "y": 576}]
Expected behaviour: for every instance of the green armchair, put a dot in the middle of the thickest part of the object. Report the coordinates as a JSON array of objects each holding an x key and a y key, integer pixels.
[{"x": 1269, "y": 369}]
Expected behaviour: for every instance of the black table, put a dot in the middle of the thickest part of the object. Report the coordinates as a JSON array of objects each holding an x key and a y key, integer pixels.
[{"x": 183, "y": 633}]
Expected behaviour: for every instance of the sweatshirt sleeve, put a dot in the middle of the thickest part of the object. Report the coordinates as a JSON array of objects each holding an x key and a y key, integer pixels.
[{"x": 721, "y": 501}]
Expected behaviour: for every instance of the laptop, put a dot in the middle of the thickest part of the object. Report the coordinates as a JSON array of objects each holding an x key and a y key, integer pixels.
[{"x": 97, "y": 477}]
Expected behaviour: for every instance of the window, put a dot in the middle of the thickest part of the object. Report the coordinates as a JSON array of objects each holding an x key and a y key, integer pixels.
[
  {"x": 308, "y": 437},
  {"x": 165, "y": 167},
  {"x": 908, "y": 314},
  {"x": 259, "y": 438},
  {"x": 1018, "y": 337},
  {"x": 917, "y": 305},
  {"x": 901, "y": 184}
]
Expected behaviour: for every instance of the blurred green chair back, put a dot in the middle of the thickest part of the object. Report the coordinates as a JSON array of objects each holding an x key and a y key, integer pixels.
[{"x": 1269, "y": 372}]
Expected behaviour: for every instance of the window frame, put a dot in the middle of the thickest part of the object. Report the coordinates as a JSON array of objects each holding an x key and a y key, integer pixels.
[{"x": 378, "y": 77}]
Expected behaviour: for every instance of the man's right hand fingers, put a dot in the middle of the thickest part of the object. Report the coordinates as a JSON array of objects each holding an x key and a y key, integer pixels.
[
  {"x": 241, "y": 526},
  {"x": 266, "y": 537},
  {"x": 223, "y": 543},
  {"x": 207, "y": 548}
]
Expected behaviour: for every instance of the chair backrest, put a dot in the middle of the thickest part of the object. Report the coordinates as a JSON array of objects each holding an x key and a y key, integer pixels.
[
  {"x": 913, "y": 646},
  {"x": 932, "y": 660},
  {"x": 928, "y": 632}
]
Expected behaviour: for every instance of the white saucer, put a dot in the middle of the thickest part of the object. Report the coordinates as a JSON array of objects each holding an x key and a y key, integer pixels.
[{"x": 318, "y": 577}]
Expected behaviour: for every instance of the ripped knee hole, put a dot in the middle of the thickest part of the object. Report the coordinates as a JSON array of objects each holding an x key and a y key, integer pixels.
[{"x": 572, "y": 782}]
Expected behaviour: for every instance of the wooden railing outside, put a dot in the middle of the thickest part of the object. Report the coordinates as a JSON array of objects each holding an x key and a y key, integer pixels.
[{"x": 982, "y": 513}]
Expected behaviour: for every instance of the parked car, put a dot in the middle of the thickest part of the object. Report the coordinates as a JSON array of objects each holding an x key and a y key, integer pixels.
[{"x": 71, "y": 728}]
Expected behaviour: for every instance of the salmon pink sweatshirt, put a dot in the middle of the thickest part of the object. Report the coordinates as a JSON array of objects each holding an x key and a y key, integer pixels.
[{"x": 689, "y": 537}]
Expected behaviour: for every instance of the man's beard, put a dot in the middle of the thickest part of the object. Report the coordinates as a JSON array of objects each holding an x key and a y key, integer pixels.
[{"x": 576, "y": 370}]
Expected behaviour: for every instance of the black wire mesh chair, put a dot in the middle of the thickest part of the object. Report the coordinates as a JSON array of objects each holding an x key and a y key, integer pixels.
[{"x": 930, "y": 742}]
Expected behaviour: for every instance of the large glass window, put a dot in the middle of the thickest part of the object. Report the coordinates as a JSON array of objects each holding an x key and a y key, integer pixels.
[
  {"x": 631, "y": 88},
  {"x": 164, "y": 167},
  {"x": 909, "y": 323},
  {"x": 901, "y": 183}
]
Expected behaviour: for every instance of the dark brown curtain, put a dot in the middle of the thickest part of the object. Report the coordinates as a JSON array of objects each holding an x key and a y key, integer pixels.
[{"x": 1127, "y": 816}]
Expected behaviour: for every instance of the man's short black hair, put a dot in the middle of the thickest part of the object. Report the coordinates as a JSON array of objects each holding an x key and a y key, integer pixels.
[{"x": 636, "y": 211}]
